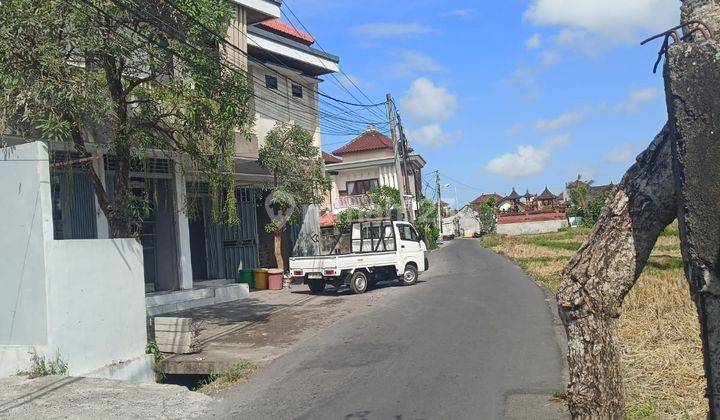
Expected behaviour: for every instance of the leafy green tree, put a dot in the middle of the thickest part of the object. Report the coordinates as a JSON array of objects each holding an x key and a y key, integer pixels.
[
  {"x": 126, "y": 78},
  {"x": 594, "y": 208},
  {"x": 384, "y": 200},
  {"x": 296, "y": 166},
  {"x": 487, "y": 216},
  {"x": 579, "y": 198},
  {"x": 345, "y": 219},
  {"x": 427, "y": 223}
]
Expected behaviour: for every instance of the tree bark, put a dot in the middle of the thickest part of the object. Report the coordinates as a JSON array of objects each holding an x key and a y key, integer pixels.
[
  {"x": 692, "y": 75},
  {"x": 598, "y": 278},
  {"x": 279, "y": 260}
]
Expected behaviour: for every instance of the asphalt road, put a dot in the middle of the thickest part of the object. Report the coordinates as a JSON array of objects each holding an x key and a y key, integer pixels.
[{"x": 475, "y": 339}]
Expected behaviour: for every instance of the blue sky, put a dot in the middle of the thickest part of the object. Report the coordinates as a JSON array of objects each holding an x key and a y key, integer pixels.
[{"x": 506, "y": 93}]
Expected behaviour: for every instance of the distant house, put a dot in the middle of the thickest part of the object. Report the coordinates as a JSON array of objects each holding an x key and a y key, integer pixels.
[
  {"x": 481, "y": 200},
  {"x": 594, "y": 191},
  {"x": 366, "y": 162},
  {"x": 511, "y": 203},
  {"x": 464, "y": 223},
  {"x": 546, "y": 200}
]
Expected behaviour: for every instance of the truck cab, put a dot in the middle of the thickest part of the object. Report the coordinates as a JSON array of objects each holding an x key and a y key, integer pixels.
[{"x": 372, "y": 251}]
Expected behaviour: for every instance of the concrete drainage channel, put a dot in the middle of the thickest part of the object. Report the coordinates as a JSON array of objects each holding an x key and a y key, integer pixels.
[{"x": 202, "y": 369}]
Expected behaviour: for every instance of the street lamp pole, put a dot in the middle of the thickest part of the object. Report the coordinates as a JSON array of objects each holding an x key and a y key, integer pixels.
[{"x": 457, "y": 202}]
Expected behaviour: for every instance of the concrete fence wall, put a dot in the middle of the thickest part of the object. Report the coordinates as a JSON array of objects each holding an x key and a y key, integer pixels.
[
  {"x": 529, "y": 228},
  {"x": 81, "y": 300}
]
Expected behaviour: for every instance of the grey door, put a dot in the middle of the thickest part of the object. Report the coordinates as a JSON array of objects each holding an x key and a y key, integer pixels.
[{"x": 227, "y": 247}]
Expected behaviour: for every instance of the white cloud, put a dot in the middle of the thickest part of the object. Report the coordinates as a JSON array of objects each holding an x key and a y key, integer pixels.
[
  {"x": 561, "y": 121},
  {"x": 533, "y": 42},
  {"x": 549, "y": 59},
  {"x": 637, "y": 97},
  {"x": 558, "y": 140},
  {"x": 432, "y": 135},
  {"x": 619, "y": 154},
  {"x": 616, "y": 21},
  {"x": 413, "y": 62},
  {"x": 527, "y": 160},
  {"x": 427, "y": 102},
  {"x": 460, "y": 13},
  {"x": 391, "y": 30},
  {"x": 428, "y": 105},
  {"x": 526, "y": 78}
]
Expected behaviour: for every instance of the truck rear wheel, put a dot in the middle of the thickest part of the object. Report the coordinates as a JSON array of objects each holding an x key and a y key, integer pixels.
[
  {"x": 359, "y": 283},
  {"x": 316, "y": 286},
  {"x": 410, "y": 276}
]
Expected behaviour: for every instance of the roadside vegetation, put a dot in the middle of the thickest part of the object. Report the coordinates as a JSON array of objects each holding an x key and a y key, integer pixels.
[
  {"x": 659, "y": 332},
  {"x": 235, "y": 375},
  {"x": 41, "y": 366}
]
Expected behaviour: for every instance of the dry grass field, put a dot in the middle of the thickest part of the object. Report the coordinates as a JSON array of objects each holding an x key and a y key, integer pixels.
[{"x": 662, "y": 361}]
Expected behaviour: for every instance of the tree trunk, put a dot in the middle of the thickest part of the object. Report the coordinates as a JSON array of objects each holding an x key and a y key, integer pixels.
[
  {"x": 279, "y": 260},
  {"x": 692, "y": 75},
  {"x": 598, "y": 278}
]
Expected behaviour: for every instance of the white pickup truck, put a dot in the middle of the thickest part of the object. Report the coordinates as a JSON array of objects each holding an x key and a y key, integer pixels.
[{"x": 378, "y": 250}]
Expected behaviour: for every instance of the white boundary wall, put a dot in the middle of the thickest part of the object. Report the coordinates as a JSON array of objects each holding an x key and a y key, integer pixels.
[
  {"x": 81, "y": 300},
  {"x": 530, "y": 228}
]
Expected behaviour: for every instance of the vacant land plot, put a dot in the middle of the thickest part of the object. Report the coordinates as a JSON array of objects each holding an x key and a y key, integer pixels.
[{"x": 662, "y": 358}]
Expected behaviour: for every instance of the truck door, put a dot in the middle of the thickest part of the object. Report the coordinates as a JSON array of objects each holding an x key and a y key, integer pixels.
[{"x": 410, "y": 246}]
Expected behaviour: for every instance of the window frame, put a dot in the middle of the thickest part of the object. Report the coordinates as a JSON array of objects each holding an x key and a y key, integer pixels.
[
  {"x": 414, "y": 236},
  {"x": 372, "y": 182},
  {"x": 271, "y": 82},
  {"x": 299, "y": 94}
]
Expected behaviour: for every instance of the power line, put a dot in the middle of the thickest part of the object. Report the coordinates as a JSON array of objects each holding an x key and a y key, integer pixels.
[
  {"x": 338, "y": 128},
  {"x": 349, "y": 79},
  {"x": 236, "y": 48}
]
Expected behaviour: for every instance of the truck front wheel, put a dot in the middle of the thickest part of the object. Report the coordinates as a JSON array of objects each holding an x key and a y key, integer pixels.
[
  {"x": 410, "y": 276},
  {"x": 359, "y": 283},
  {"x": 316, "y": 286}
]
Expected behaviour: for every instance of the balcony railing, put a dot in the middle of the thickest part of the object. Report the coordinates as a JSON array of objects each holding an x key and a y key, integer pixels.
[{"x": 352, "y": 201}]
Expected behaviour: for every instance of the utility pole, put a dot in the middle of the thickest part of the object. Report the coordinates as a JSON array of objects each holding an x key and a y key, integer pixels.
[
  {"x": 403, "y": 152},
  {"x": 439, "y": 204},
  {"x": 396, "y": 143}
]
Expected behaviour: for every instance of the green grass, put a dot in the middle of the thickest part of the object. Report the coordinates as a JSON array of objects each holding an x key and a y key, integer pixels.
[
  {"x": 490, "y": 241},
  {"x": 667, "y": 248},
  {"x": 236, "y": 374},
  {"x": 641, "y": 411},
  {"x": 554, "y": 244},
  {"x": 664, "y": 262},
  {"x": 672, "y": 230},
  {"x": 47, "y": 367}
]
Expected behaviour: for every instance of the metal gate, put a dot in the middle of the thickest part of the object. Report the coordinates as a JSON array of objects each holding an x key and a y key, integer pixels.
[
  {"x": 73, "y": 204},
  {"x": 229, "y": 247}
]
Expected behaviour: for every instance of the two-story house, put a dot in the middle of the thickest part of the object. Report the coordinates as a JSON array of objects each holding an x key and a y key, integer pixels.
[
  {"x": 181, "y": 251},
  {"x": 366, "y": 162}
]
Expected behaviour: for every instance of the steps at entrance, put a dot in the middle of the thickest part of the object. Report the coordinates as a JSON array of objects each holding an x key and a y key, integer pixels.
[{"x": 204, "y": 294}]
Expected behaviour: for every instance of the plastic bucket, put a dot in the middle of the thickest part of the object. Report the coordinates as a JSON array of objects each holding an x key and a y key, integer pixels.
[
  {"x": 245, "y": 276},
  {"x": 275, "y": 279},
  {"x": 260, "y": 277}
]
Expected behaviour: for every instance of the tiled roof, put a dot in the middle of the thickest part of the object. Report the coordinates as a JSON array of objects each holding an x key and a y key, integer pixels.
[
  {"x": 513, "y": 195},
  {"x": 485, "y": 197},
  {"x": 330, "y": 159},
  {"x": 528, "y": 195},
  {"x": 369, "y": 140},
  {"x": 327, "y": 220},
  {"x": 281, "y": 28},
  {"x": 546, "y": 195}
]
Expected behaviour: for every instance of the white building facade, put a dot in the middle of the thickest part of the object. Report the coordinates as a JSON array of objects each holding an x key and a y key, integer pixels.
[{"x": 366, "y": 162}]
